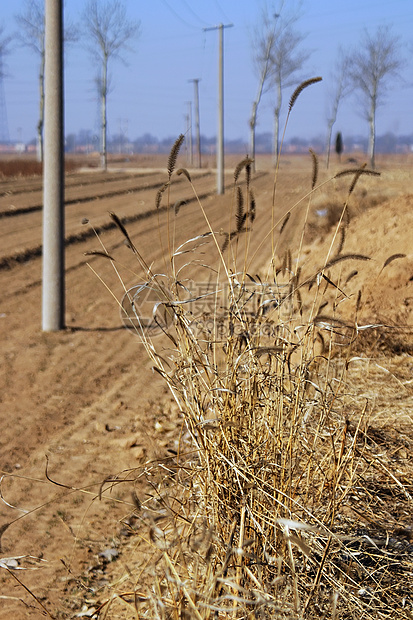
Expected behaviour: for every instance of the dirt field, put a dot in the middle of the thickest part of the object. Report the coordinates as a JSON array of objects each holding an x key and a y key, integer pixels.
[{"x": 87, "y": 398}]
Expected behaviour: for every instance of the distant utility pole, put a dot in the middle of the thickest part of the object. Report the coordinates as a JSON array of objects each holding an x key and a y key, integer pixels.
[
  {"x": 123, "y": 133},
  {"x": 4, "y": 126},
  {"x": 220, "y": 136},
  {"x": 190, "y": 153},
  {"x": 53, "y": 293},
  {"x": 197, "y": 130}
]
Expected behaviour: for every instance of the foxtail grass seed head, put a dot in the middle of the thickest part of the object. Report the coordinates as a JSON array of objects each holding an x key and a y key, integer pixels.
[
  {"x": 159, "y": 194},
  {"x": 349, "y": 171},
  {"x": 358, "y": 303},
  {"x": 343, "y": 257},
  {"x": 240, "y": 215},
  {"x": 253, "y": 206},
  {"x": 245, "y": 163},
  {"x": 354, "y": 181},
  {"x": 120, "y": 225},
  {"x": 341, "y": 240},
  {"x": 289, "y": 261},
  {"x": 185, "y": 172},
  {"x": 392, "y": 258},
  {"x": 357, "y": 172},
  {"x": 177, "y": 206},
  {"x": 315, "y": 168},
  {"x": 300, "y": 89},
  {"x": 248, "y": 172},
  {"x": 173, "y": 155},
  {"x": 224, "y": 246},
  {"x": 285, "y": 221},
  {"x": 351, "y": 275},
  {"x": 98, "y": 253}
]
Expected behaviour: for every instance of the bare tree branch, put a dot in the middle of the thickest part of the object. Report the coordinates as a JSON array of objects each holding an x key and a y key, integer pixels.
[
  {"x": 5, "y": 41},
  {"x": 264, "y": 44},
  {"x": 31, "y": 25}
]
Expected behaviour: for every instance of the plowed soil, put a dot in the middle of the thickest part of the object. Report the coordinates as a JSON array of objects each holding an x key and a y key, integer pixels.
[{"x": 82, "y": 406}]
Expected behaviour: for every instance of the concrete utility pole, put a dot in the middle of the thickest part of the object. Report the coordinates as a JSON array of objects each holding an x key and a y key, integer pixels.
[
  {"x": 53, "y": 293},
  {"x": 220, "y": 136},
  {"x": 189, "y": 149},
  {"x": 4, "y": 126},
  {"x": 197, "y": 130}
]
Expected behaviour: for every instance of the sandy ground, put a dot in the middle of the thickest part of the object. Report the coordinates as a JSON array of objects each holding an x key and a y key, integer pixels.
[{"x": 82, "y": 410}]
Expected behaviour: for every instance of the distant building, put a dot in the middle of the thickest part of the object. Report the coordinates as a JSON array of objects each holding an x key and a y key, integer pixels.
[{"x": 12, "y": 148}]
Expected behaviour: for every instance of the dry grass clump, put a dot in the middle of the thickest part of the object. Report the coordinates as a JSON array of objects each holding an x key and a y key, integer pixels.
[{"x": 251, "y": 517}]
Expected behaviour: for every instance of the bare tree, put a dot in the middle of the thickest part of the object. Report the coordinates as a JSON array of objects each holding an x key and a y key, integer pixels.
[
  {"x": 278, "y": 59},
  {"x": 287, "y": 61},
  {"x": 32, "y": 35},
  {"x": 109, "y": 30},
  {"x": 264, "y": 38},
  {"x": 341, "y": 88},
  {"x": 375, "y": 61}
]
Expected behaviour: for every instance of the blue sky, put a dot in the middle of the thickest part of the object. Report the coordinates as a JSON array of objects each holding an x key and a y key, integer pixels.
[{"x": 150, "y": 94}]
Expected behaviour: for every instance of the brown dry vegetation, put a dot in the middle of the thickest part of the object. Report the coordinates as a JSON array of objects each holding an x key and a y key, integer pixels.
[
  {"x": 25, "y": 166},
  {"x": 116, "y": 519}
]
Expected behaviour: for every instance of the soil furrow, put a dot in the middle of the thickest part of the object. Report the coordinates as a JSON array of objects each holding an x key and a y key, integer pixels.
[
  {"x": 18, "y": 188},
  {"x": 92, "y": 195},
  {"x": 77, "y": 232}
]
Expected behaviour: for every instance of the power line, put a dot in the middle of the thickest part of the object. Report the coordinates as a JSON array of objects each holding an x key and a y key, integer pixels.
[
  {"x": 217, "y": 4},
  {"x": 190, "y": 9},
  {"x": 181, "y": 19}
]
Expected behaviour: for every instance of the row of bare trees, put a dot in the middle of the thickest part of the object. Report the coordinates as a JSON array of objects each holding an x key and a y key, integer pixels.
[
  {"x": 107, "y": 30},
  {"x": 279, "y": 61},
  {"x": 364, "y": 72}
]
